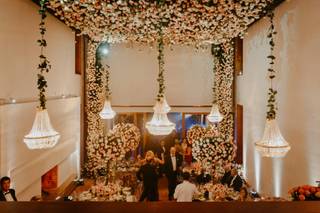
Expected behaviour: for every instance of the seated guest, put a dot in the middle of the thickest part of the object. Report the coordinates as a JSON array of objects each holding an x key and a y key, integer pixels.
[
  {"x": 203, "y": 178},
  {"x": 36, "y": 198},
  {"x": 185, "y": 191},
  {"x": 7, "y": 194},
  {"x": 227, "y": 174},
  {"x": 243, "y": 195},
  {"x": 234, "y": 180}
]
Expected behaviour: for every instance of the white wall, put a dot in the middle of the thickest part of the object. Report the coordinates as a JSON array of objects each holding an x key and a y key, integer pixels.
[
  {"x": 134, "y": 71},
  {"x": 19, "y": 21},
  {"x": 297, "y": 52},
  {"x": 19, "y": 53}
]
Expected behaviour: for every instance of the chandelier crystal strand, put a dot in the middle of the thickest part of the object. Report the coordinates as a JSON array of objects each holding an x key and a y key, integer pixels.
[
  {"x": 272, "y": 143},
  {"x": 160, "y": 124},
  {"x": 42, "y": 134},
  {"x": 215, "y": 116},
  {"x": 107, "y": 111}
]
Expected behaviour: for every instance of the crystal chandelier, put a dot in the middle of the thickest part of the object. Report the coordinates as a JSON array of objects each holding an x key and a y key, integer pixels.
[
  {"x": 272, "y": 143},
  {"x": 215, "y": 116},
  {"x": 42, "y": 135},
  {"x": 107, "y": 111},
  {"x": 160, "y": 124}
]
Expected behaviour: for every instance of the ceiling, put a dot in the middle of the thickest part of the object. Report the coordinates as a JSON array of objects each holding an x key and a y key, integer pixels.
[{"x": 187, "y": 22}]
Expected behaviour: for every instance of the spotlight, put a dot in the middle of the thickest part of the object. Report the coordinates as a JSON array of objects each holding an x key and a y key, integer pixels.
[{"x": 103, "y": 49}]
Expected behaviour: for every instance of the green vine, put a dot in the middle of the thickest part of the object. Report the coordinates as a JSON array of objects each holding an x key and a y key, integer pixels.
[
  {"x": 271, "y": 113},
  {"x": 44, "y": 65},
  {"x": 161, "y": 66},
  {"x": 107, "y": 88}
]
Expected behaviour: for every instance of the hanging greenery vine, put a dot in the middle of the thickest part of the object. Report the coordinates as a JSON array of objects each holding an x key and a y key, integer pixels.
[
  {"x": 161, "y": 65},
  {"x": 44, "y": 65},
  {"x": 105, "y": 69},
  {"x": 271, "y": 113}
]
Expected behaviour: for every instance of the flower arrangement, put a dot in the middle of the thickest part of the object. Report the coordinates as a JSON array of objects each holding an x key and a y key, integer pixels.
[
  {"x": 114, "y": 149},
  {"x": 184, "y": 21},
  {"x": 219, "y": 192},
  {"x": 129, "y": 134},
  {"x": 212, "y": 131},
  {"x": 195, "y": 133},
  {"x": 212, "y": 150},
  {"x": 306, "y": 192}
]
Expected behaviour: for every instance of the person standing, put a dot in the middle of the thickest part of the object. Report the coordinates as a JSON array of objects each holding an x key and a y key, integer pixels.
[
  {"x": 162, "y": 153},
  {"x": 7, "y": 194},
  {"x": 172, "y": 165},
  {"x": 185, "y": 191},
  {"x": 149, "y": 175}
]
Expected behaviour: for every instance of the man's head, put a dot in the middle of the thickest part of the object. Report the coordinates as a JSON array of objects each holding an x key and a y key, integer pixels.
[
  {"x": 5, "y": 183},
  {"x": 234, "y": 172},
  {"x": 173, "y": 151},
  {"x": 186, "y": 176},
  {"x": 162, "y": 143}
]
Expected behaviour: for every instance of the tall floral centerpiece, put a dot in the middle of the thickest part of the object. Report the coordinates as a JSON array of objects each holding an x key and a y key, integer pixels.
[{"x": 42, "y": 134}]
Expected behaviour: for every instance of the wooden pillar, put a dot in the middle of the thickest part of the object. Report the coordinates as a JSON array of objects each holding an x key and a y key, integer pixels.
[
  {"x": 239, "y": 133},
  {"x": 183, "y": 125},
  {"x": 80, "y": 69}
]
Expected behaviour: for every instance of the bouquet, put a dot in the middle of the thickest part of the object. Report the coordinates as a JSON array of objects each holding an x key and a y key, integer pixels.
[
  {"x": 129, "y": 134},
  {"x": 195, "y": 133},
  {"x": 305, "y": 192}
]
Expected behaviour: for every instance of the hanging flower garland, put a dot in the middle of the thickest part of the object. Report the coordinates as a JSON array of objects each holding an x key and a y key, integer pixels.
[
  {"x": 129, "y": 134},
  {"x": 185, "y": 21},
  {"x": 224, "y": 69},
  {"x": 95, "y": 145}
]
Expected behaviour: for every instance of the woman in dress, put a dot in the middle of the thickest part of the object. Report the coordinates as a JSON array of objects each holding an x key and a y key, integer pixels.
[
  {"x": 148, "y": 174},
  {"x": 188, "y": 155}
]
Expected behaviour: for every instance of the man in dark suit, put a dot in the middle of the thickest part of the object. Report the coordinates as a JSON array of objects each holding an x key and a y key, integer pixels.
[
  {"x": 173, "y": 164},
  {"x": 7, "y": 194},
  {"x": 233, "y": 180}
]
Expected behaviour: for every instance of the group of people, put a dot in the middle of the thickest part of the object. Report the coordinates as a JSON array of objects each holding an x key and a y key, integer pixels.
[
  {"x": 170, "y": 164},
  {"x": 153, "y": 167}
]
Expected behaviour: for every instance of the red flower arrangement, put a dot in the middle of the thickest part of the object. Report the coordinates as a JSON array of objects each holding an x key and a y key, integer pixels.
[{"x": 305, "y": 192}]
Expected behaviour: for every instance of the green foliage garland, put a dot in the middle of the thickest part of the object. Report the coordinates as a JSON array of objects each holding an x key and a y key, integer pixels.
[
  {"x": 44, "y": 65},
  {"x": 271, "y": 113},
  {"x": 161, "y": 66}
]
